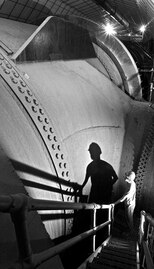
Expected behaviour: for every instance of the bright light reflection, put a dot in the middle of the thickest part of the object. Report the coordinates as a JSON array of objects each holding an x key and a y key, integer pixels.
[
  {"x": 109, "y": 29},
  {"x": 143, "y": 28}
]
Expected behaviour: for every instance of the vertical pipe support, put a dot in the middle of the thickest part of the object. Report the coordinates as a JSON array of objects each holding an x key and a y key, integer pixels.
[
  {"x": 142, "y": 236},
  {"x": 151, "y": 82},
  {"x": 110, "y": 218},
  {"x": 93, "y": 226},
  {"x": 141, "y": 226},
  {"x": 112, "y": 215},
  {"x": 19, "y": 212}
]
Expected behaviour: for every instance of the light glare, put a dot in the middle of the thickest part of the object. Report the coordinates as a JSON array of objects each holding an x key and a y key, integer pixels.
[
  {"x": 143, "y": 28},
  {"x": 109, "y": 29}
]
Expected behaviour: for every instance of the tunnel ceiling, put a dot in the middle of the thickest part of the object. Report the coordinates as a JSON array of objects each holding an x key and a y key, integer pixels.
[{"x": 127, "y": 16}]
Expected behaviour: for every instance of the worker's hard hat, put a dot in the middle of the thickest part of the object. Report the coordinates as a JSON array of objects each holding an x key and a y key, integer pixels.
[{"x": 94, "y": 147}]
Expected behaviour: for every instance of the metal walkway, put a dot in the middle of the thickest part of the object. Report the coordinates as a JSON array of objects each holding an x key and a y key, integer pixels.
[
  {"x": 117, "y": 254},
  {"x": 120, "y": 251}
]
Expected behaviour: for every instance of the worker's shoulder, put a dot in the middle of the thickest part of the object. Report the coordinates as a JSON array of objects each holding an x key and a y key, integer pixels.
[{"x": 108, "y": 165}]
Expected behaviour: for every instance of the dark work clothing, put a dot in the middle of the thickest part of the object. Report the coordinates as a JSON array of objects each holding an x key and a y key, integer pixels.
[{"x": 103, "y": 177}]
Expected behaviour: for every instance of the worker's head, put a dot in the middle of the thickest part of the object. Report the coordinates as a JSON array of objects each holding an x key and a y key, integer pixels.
[
  {"x": 95, "y": 151},
  {"x": 130, "y": 176}
]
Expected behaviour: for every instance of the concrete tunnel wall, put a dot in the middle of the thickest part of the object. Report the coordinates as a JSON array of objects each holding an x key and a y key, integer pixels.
[{"x": 50, "y": 112}]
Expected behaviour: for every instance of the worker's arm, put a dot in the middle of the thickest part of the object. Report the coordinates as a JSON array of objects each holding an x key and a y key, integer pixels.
[
  {"x": 80, "y": 187},
  {"x": 123, "y": 197},
  {"x": 114, "y": 177},
  {"x": 86, "y": 177}
]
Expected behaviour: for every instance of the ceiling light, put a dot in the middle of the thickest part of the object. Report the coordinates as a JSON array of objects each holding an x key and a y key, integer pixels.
[
  {"x": 109, "y": 29},
  {"x": 142, "y": 28}
]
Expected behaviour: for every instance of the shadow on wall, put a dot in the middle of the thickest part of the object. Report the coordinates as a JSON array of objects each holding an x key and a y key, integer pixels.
[
  {"x": 18, "y": 166},
  {"x": 103, "y": 177},
  {"x": 42, "y": 174}
]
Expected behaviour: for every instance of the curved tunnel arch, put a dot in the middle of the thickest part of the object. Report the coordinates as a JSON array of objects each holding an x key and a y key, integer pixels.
[
  {"x": 69, "y": 90},
  {"x": 111, "y": 45},
  {"x": 116, "y": 50}
]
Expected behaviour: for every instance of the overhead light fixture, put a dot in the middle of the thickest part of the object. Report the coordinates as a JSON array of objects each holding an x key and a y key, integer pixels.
[
  {"x": 109, "y": 29},
  {"x": 142, "y": 28}
]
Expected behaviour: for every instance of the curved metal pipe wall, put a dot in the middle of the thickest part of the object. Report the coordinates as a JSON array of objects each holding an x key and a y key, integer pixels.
[
  {"x": 112, "y": 46},
  {"x": 118, "y": 53},
  {"x": 51, "y": 112}
]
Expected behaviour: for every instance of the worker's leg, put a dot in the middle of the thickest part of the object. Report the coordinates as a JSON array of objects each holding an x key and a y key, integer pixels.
[{"x": 130, "y": 213}]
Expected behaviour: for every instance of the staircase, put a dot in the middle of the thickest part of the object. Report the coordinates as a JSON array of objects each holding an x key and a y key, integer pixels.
[
  {"x": 121, "y": 250},
  {"x": 117, "y": 254}
]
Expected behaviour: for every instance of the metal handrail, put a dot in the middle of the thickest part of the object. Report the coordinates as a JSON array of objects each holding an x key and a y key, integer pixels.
[
  {"x": 146, "y": 222},
  {"x": 19, "y": 204},
  {"x": 49, "y": 253},
  {"x": 10, "y": 203},
  {"x": 149, "y": 219}
]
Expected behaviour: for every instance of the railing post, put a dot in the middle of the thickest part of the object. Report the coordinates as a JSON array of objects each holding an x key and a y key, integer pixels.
[
  {"x": 19, "y": 218},
  {"x": 112, "y": 215},
  {"x": 143, "y": 235},
  {"x": 18, "y": 206},
  {"x": 93, "y": 226},
  {"x": 141, "y": 227},
  {"x": 110, "y": 218}
]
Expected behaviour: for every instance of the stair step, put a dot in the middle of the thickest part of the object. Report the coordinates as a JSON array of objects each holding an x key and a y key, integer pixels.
[
  {"x": 110, "y": 256},
  {"x": 110, "y": 263},
  {"x": 118, "y": 253},
  {"x": 126, "y": 247},
  {"x": 104, "y": 266},
  {"x": 98, "y": 266}
]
